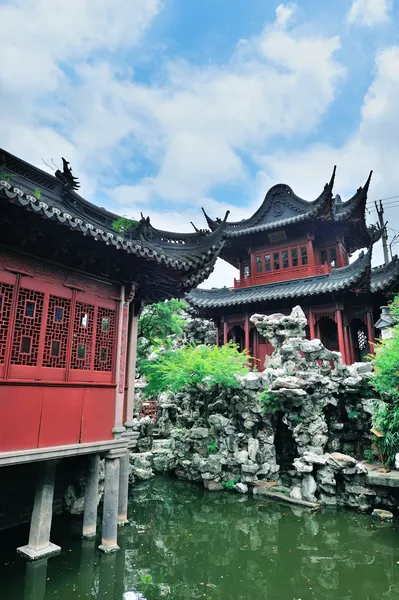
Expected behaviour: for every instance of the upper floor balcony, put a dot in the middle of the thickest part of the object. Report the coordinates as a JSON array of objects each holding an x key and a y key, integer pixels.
[{"x": 284, "y": 274}]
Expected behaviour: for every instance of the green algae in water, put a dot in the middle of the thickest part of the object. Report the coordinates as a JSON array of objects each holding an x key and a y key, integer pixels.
[{"x": 186, "y": 543}]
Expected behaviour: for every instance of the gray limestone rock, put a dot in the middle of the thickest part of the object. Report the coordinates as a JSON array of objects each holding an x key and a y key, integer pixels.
[
  {"x": 296, "y": 492},
  {"x": 241, "y": 456},
  {"x": 309, "y": 487},
  {"x": 198, "y": 433},
  {"x": 241, "y": 488},
  {"x": 301, "y": 466},
  {"x": 339, "y": 461},
  {"x": 253, "y": 448},
  {"x": 315, "y": 459}
]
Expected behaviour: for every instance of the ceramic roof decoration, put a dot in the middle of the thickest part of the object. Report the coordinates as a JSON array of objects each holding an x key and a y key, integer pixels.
[{"x": 183, "y": 259}]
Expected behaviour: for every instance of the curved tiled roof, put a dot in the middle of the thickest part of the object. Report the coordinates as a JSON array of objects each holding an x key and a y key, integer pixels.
[
  {"x": 279, "y": 199},
  {"x": 282, "y": 207},
  {"x": 52, "y": 199},
  {"x": 339, "y": 279},
  {"x": 384, "y": 276}
]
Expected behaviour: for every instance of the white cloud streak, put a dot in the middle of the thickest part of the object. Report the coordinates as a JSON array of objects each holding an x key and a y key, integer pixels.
[{"x": 369, "y": 12}]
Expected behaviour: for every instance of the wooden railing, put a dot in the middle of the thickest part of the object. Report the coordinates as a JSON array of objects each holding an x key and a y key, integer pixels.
[{"x": 283, "y": 275}]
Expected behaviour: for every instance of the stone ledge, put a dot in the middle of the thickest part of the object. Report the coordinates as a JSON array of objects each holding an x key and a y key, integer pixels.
[{"x": 376, "y": 477}]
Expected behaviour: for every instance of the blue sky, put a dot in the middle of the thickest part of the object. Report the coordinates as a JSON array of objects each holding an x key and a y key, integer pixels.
[{"x": 164, "y": 106}]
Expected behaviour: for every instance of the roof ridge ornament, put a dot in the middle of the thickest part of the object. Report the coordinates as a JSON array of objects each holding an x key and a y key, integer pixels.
[{"x": 68, "y": 179}]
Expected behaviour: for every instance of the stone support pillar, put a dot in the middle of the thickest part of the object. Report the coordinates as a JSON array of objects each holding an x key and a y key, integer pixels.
[
  {"x": 109, "y": 531},
  {"x": 370, "y": 331},
  {"x": 217, "y": 335},
  {"x": 225, "y": 332},
  {"x": 311, "y": 322},
  {"x": 39, "y": 545},
  {"x": 340, "y": 327},
  {"x": 91, "y": 497},
  {"x": 123, "y": 489},
  {"x": 134, "y": 323}
]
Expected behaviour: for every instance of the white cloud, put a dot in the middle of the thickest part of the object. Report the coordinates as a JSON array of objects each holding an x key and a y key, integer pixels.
[
  {"x": 193, "y": 125},
  {"x": 369, "y": 12},
  {"x": 372, "y": 146}
]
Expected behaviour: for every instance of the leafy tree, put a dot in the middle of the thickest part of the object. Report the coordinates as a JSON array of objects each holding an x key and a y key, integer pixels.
[
  {"x": 159, "y": 324},
  {"x": 159, "y": 321},
  {"x": 385, "y": 382},
  {"x": 201, "y": 368}
]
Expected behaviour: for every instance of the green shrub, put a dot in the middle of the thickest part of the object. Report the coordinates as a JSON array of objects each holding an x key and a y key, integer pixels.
[
  {"x": 385, "y": 381},
  {"x": 369, "y": 456},
  {"x": 270, "y": 402},
  {"x": 228, "y": 484},
  {"x": 353, "y": 414},
  {"x": 203, "y": 368}
]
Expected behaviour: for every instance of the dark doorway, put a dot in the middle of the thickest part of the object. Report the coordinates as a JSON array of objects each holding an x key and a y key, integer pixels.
[
  {"x": 328, "y": 333},
  {"x": 285, "y": 445}
]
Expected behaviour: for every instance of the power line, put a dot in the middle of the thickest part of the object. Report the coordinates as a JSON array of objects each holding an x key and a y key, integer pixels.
[{"x": 382, "y": 199}]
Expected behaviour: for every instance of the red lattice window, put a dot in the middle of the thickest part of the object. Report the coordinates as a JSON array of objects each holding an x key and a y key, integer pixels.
[
  {"x": 24, "y": 353},
  {"x": 6, "y": 291},
  {"x": 83, "y": 336},
  {"x": 104, "y": 339},
  {"x": 55, "y": 343}
]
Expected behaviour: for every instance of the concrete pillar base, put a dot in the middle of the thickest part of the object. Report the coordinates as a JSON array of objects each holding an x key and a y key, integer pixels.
[
  {"x": 123, "y": 522},
  {"x": 32, "y": 554},
  {"x": 88, "y": 535},
  {"x": 108, "y": 549}
]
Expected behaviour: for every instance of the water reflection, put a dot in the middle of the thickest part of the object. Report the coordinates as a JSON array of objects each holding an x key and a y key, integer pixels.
[{"x": 186, "y": 543}]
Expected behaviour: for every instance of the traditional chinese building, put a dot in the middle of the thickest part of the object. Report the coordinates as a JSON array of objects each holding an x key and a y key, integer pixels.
[
  {"x": 71, "y": 289},
  {"x": 292, "y": 251}
]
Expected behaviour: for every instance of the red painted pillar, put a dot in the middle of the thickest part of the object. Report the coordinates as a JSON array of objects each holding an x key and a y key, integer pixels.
[
  {"x": 317, "y": 330},
  {"x": 246, "y": 330},
  {"x": 370, "y": 331},
  {"x": 340, "y": 253},
  {"x": 341, "y": 339},
  {"x": 311, "y": 256},
  {"x": 256, "y": 362},
  {"x": 225, "y": 332},
  {"x": 347, "y": 346},
  {"x": 311, "y": 324}
]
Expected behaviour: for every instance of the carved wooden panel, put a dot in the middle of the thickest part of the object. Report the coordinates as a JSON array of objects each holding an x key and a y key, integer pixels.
[
  {"x": 58, "y": 321},
  {"x": 83, "y": 336},
  {"x": 25, "y": 346},
  {"x": 104, "y": 339},
  {"x": 6, "y": 291}
]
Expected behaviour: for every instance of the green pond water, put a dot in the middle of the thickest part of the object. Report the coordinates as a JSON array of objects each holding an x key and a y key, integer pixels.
[{"x": 184, "y": 542}]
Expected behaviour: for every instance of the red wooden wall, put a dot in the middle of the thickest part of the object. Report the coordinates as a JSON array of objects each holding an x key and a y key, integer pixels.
[{"x": 58, "y": 334}]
